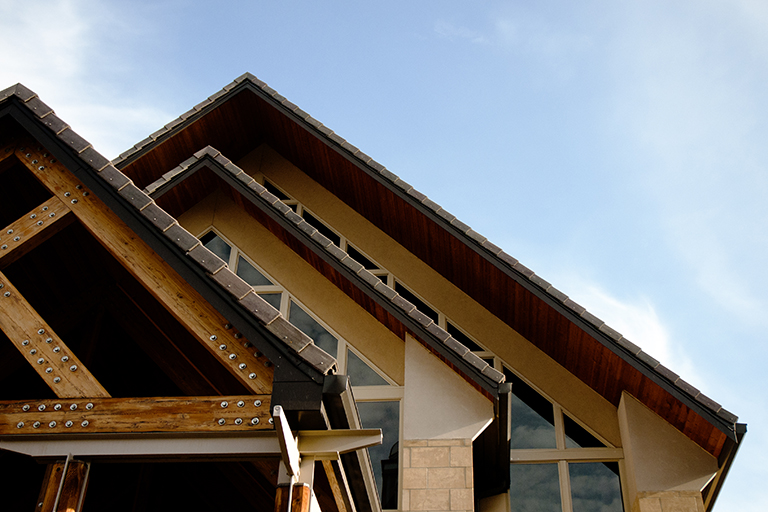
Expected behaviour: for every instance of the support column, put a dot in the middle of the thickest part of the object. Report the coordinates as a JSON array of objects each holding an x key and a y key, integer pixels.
[{"x": 63, "y": 487}]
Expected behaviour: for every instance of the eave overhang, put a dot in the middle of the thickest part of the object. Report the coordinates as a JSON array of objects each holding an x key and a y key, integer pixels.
[{"x": 538, "y": 311}]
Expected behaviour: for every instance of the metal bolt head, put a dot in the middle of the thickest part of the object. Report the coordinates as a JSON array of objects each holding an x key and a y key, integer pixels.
[
  {"x": 39, "y": 223},
  {"x": 3, "y": 247},
  {"x": 233, "y": 356},
  {"x": 213, "y": 337},
  {"x": 41, "y": 407},
  {"x": 73, "y": 407},
  {"x": 45, "y": 208},
  {"x": 57, "y": 407},
  {"x": 20, "y": 424},
  {"x": 238, "y": 336},
  {"x": 73, "y": 368},
  {"x": 33, "y": 352},
  {"x": 67, "y": 194},
  {"x": 25, "y": 408},
  {"x": 247, "y": 344},
  {"x": 56, "y": 350},
  {"x": 78, "y": 187},
  {"x": 224, "y": 404},
  {"x": 68, "y": 423},
  {"x": 257, "y": 403},
  {"x": 40, "y": 361},
  {"x": 271, "y": 421},
  {"x": 34, "y": 161},
  {"x": 41, "y": 331},
  {"x": 52, "y": 424},
  {"x": 88, "y": 406},
  {"x": 240, "y": 403},
  {"x": 10, "y": 231},
  {"x": 85, "y": 423},
  {"x": 251, "y": 376},
  {"x": 25, "y": 342},
  {"x": 52, "y": 214},
  {"x": 16, "y": 238},
  {"x": 49, "y": 340},
  {"x": 74, "y": 201},
  {"x": 222, "y": 347},
  {"x": 1, "y": 286},
  {"x": 48, "y": 370},
  {"x": 242, "y": 366},
  {"x": 238, "y": 421},
  {"x": 33, "y": 216},
  {"x": 36, "y": 424},
  {"x": 64, "y": 359},
  {"x": 222, "y": 421},
  {"x": 56, "y": 380},
  {"x": 227, "y": 326},
  {"x": 7, "y": 294},
  {"x": 254, "y": 421}
]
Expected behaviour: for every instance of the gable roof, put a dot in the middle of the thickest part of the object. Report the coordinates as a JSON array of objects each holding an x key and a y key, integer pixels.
[{"x": 596, "y": 353}]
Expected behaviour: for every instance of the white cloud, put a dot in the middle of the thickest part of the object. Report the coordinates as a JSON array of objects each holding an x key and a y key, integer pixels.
[
  {"x": 451, "y": 31},
  {"x": 54, "y": 47}
]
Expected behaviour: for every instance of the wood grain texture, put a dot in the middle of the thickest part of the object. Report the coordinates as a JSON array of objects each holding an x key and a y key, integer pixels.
[
  {"x": 42, "y": 348},
  {"x": 37, "y": 226},
  {"x": 175, "y": 294},
  {"x": 115, "y": 415}
]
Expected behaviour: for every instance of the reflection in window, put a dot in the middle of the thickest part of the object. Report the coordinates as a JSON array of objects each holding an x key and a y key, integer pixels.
[
  {"x": 217, "y": 246},
  {"x": 595, "y": 487},
  {"x": 360, "y": 374},
  {"x": 312, "y": 328},
  {"x": 577, "y": 437},
  {"x": 534, "y": 487},
  {"x": 384, "y": 458},
  {"x": 532, "y": 416},
  {"x": 250, "y": 275}
]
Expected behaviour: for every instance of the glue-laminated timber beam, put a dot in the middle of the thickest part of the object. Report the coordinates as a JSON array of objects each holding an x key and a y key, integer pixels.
[
  {"x": 244, "y": 413},
  {"x": 63, "y": 487},
  {"x": 175, "y": 294},
  {"x": 37, "y": 226},
  {"x": 59, "y": 367}
]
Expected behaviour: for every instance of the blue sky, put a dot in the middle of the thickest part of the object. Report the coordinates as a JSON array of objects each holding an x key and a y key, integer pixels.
[{"x": 619, "y": 149}]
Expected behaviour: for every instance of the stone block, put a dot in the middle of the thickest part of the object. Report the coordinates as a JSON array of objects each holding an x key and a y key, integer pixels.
[
  {"x": 446, "y": 442},
  {"x": 430, "y": 457},
  {"x": 414, "y": 478},
  {"x": 446, "y": 478},
  {"x": 430, "y": 499},
  {"x": 461, "y": 456},
  {"x": 462, "y": 499}
]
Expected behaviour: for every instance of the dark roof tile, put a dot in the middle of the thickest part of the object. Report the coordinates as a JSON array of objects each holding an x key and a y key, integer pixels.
[
  {"x": 430, "y": 204},
  {"x": 453, "y": 344},
  {"x": 440, "y": 333},
  {"x": 231, "y": 282},
  {"x": 402, "y": 184},
  {"x": 460, "y": 225},
  {"x": 39, "y": 108},
  {"x": 445, "y": 214},
  {"x": 653, "y": 363},
  {"x": 523, "y": 269},
  {"x": 318, "y": 358},
  {"x": 157, "y": 216},
  {"x": 257, "y": 187},
  {"x": 114, "y": 177},
  {"x": 301, "y": 113},
  {"x": 494, "y": 374},
  {"x": 293, "y": 216},
  {"x": 181, "y": 237},
  {"x": 283, "y": 208},
  {"x": 420, "y": 317},
  {"x": 633, "y": 349},
  {"x": 403, "y": 304},
  {"x": 290, "y": 105},
  {"x": 389, "y": 174},
  {"x": 200, "y": 106},
  {"x": 320, "y": 239},
  {"x": 613, "y": 333},
  {"x": 308, "y": 228},
  {"x": 385, "y": 290},
  {"x": 560, "y": 296},
  {"x": 373, "y": 164},
  {"x": 369, "y": 278},
  {"x": 475, "y": 361},
  {"x": 352, "y": 264},
  {"x": 589, "y": 317},
  {"x": 727, "y": 416},
  {"x": 289, "y": 334},
  {"x": 269, "y": 197},
  {"x": 336, "y": 252},
  {"x": 477, "y": 237},
  {"x": 540, "y": 281},
  {"x": 506, "y": 258},
  {"x": 53, "y": 122},
  {"x": 73, "y": 140},
  {"x": 362, "y": 157},
  {"x": 666, "y": 372},
  {"x": 708, "y": 402},
  {"x": 94, "y": 158},
  {"x": 688, "y": 388},
  {"x": 206, "y": 259},
  {"x": 578, "y": 309},
  {"x": 23, "y": 93},
  {"x": 135, "y": 196},
  {"x": 493, "y": 248},
  {"x": 259, "y": 308}
]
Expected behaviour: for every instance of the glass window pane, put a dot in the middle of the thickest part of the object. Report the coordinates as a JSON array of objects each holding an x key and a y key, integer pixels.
[
  {"x": 272, "y": 298},
  {"x": 249, "y": 273},
  {"x": 534, "y": 488},
  {"x": 532, "y": 417},
  {"x": 217, "y": 245},
  {"x": 385, "y": 457},
  {"x": 360, "y": 374},
  {"x": 577, "y": 437},
  {"x": 309, "y": 326},
  {"x": 275, "y": 191},
  {"x": 595, "y": 487}
]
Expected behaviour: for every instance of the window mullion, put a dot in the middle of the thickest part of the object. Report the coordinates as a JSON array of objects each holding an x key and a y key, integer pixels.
[
  {"x": 565, "y": 486},
  {"x": 559, "y": 427}
]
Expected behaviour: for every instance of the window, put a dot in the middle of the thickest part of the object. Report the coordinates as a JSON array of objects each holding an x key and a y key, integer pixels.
[
  {"x": 378, "y": 397},
  {"x": 556, "y": 464}
]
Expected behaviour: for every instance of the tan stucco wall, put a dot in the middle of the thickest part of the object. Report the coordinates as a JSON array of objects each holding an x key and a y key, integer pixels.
[
  {"x": 551, "y": 378},
  {"x": 318, "y": 294},
  {"x": 658, "y": 458}
]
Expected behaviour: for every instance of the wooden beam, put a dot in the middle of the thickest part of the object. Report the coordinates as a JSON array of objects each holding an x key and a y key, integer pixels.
[
  {"x": 37, "y": 226},
  {"x": 176, "y": 295},
  {"x": 339, "y": 487},
  {"x": 64, "y": 487},
  {"x": 42, "y": 348},
  {"x": 243, "y": 413}
]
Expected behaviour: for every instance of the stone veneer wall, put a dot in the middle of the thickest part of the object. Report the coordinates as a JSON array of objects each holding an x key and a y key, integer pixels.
[
  {"x": 437, "y": 475},
  {"x": 668, "y": 501}
]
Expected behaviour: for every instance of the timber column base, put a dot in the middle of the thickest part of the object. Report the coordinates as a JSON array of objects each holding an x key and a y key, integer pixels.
[
  {"x": 300, "y": 499},
  {"x": 668, "y": 501},
  {"x": 63, "y": 487}
]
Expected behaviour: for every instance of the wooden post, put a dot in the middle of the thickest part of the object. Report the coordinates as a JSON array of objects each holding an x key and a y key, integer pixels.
[
  {"x": 300, "y": 498},
  {"x": 63, "y": 487}
]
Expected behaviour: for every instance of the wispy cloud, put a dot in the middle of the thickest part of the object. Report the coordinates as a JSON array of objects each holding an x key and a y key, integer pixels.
[
  {"x": 54, "y": 48},
  {"x": 450, "y": 31}
]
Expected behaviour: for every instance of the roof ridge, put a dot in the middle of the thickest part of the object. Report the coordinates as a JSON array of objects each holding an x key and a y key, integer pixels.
[{"x": 471, "y": 236}]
